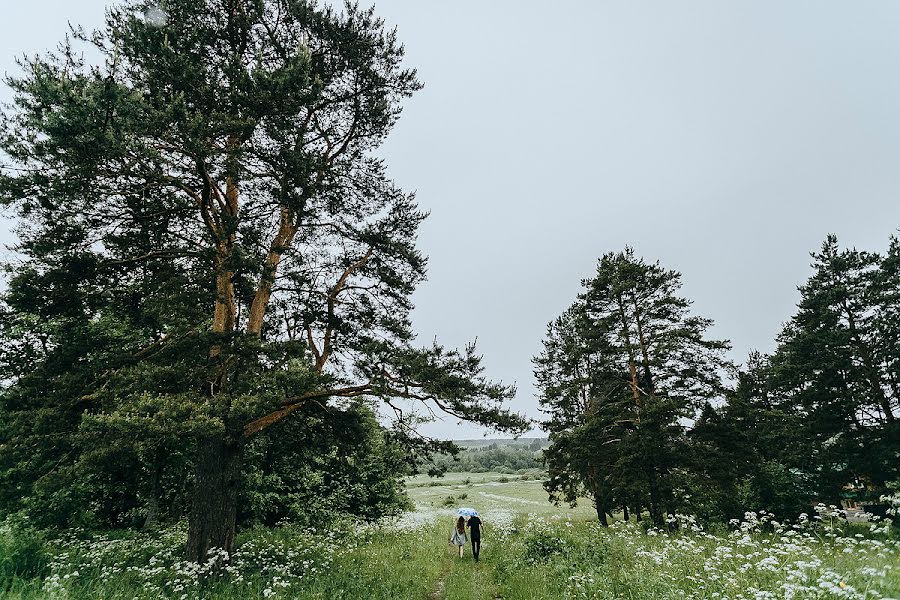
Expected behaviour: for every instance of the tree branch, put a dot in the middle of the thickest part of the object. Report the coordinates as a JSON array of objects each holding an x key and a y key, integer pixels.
[
  {"x": 282, "y": 241},
  {"x": 149, "y": 255},
  {"x": 292, "y": 404},
  {"x": 332, "y": 302}
]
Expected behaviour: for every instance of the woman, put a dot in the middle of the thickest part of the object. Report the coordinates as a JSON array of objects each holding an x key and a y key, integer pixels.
[{"x": 458, "y": 535}]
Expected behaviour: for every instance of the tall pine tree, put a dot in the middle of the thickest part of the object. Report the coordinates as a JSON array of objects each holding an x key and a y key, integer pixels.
[
  {"x": 648, "y": 368},
  {"x": 209, "y": 243},
  {"x": 836, "y": 365}
]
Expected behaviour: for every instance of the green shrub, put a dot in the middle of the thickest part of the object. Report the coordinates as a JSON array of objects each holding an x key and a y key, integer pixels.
[
  {"x": 22, "y": 553},
  {"x": 541, "y": 546}
]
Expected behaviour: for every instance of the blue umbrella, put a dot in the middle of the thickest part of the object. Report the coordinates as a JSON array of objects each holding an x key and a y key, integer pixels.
[{"x": 467, "y": 512}]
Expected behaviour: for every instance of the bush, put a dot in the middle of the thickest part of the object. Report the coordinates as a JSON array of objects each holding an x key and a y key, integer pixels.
[
  {"x": 541, "y": 546},
  {"x": 22, "y": 553},
  {"x": 449, "y": 501}
]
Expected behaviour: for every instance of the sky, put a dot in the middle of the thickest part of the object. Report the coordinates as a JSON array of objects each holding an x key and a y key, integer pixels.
[{"x": 725, "y": 139}]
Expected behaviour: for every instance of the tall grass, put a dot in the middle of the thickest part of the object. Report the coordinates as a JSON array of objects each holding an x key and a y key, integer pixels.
[
  {"x": 524, "y": 556},
  {"x": 538, "y": 558}
]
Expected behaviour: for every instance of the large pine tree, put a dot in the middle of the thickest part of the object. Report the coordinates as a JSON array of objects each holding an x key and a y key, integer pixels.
[
  {"x": 208, "y": 243},
  {"x": 620, "y": 374},
  {"x": 836, "y": 365}
]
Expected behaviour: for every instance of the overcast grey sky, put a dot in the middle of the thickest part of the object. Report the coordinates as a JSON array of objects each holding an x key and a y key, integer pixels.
[{"x": 724, "y": 138}]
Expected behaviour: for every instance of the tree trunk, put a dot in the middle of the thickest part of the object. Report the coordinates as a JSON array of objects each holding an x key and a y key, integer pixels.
[
  {"x": 656, "y": 513},
  {"x": 642, "y": 341},
  {"x": 625, "y": 511},
  {"x": 600, "y": 505},
  {"x": 214, "y": 506},
  {"x": 153, "y": 508},
  {"x": 637, "y": 512},
  {"x": 287, "y": 229},
  {"x": 152, "y": 518}
]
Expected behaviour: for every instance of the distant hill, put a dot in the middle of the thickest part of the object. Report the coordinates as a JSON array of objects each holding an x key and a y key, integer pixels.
[{"x": 522, "y": 442}]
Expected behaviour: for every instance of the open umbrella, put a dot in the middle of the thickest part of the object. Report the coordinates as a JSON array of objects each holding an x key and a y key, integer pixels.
[{"x": 467, "y": 512}]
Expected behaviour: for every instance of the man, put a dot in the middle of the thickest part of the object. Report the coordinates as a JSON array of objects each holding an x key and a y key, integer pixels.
[{"x": 475, "y": 525}]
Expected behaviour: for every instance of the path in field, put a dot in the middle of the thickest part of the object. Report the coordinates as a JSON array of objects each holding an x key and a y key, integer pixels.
[
  {"x": 511, "y": 499},
  {"x": 438, "y": 593},
  {"x": 464, "y": 579},
  {"x": 447, "y": 563},
  {"x": 499, "y": 501}
]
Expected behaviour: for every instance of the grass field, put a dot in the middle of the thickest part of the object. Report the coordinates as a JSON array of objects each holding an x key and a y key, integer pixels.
[
  {"x": 490, "y": 493},
  {"x": 531, "y": 550}
]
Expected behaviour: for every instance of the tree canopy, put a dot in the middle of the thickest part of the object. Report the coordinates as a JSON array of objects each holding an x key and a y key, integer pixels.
[
  {"x": 208, "y": 243},
  {"x": 621, "y": 371},
  {"x": 639, "y": 415}
]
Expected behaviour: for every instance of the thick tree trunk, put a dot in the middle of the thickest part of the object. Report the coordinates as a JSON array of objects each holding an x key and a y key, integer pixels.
[
  {"x": 600, "y": 505},
  {"x": 625, "y": 512},
  {"x": 637, "y": 512},
  {"x": 214, "y": 507}
]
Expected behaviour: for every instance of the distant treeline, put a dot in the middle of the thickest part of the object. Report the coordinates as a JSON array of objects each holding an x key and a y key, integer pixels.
[{"x": 500, "y": 456}]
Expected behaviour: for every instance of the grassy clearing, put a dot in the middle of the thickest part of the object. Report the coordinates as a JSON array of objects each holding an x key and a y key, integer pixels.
[
  {"x": 530, "y": 551},
  {"x": 539, "y": 557},
  {"x": 490, "y": 493}
]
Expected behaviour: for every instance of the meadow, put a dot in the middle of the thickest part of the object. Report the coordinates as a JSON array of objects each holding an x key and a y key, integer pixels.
[{"x": 531, "y": 550}]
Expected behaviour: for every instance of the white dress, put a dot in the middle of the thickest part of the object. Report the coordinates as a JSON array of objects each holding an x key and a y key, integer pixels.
[{"x": 457, "y": 538}]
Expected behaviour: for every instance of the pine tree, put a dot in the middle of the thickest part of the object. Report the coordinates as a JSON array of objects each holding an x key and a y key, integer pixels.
[
  {"x": 834, "y": 366},
  {"x": 209, "y": 242},
  {"x": 576, "y": 392},
  {"x": 625, "y": 367},
  {"x": 763, "y": 442}
]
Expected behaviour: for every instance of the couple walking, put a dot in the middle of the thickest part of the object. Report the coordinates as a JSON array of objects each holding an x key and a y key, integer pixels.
[{"x": 458, "y": 534}]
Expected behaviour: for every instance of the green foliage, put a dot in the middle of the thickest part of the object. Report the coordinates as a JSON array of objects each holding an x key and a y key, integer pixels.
[
  {"x": 540, "y": 546},
  {"x": 621, "y": 371},
  {"x": 625, "y": 366},
  {"x": 526, "y": 556},
  {"x": 22, "y": 553},
  {"x": 209, "y": 243},
  {"x": 497, "y": 457},
  {"x": 322, "y": 467},
  {"x": 821, "y": 412}
]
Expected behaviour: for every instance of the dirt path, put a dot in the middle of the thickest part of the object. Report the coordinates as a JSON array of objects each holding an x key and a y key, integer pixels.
[
  {"x": 466, "y": 580},
  {"x": 438, "y": 592}
]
